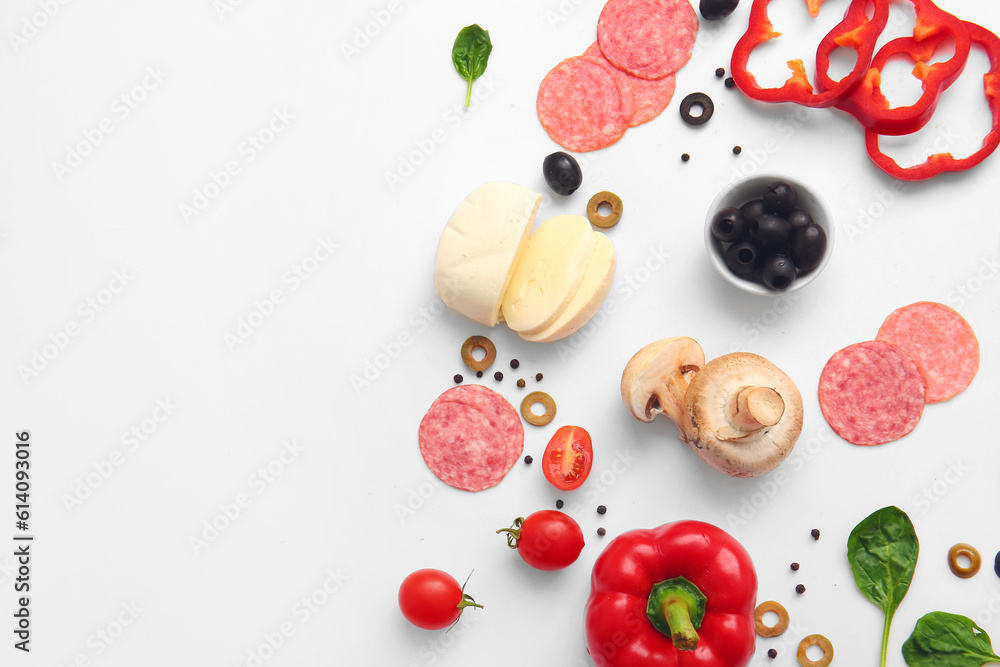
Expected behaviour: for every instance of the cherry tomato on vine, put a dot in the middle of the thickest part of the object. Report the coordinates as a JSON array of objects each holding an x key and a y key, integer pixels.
[
  {"x": 547, "y": 539},
  {"x": 568, "y": 458},
  {"x": 432, "y": 599}
]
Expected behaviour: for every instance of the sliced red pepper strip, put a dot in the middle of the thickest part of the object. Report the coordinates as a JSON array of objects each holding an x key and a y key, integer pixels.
[
  {"x": 856, "y": 31},
  {"x": 934, "y": 26},
  {"x": 861, "y": 39},
  {"x": 941, "y": 162}
]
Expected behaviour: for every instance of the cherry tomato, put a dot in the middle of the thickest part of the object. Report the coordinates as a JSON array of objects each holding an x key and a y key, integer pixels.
[
  {"x": 568, "y": 458},
  {"x": 547, "y": 539},
  {"x": 432, "y": 599}
]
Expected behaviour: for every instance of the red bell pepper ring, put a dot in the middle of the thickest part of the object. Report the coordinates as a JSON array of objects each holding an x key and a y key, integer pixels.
[
  {"x": 856, "y": 31},
  {"x": 681, "y": 595},
  {"x": 934, "y": 27},
  {"x": 941, "y": 162},
  {"x": 861, "y": 40}
]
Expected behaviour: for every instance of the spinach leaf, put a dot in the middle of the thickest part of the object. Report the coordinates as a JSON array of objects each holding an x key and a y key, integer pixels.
[
  {"x": 882, "y": 550},
  {"x": 948, "y": 640},
  {"x": 470, "y": 54}
]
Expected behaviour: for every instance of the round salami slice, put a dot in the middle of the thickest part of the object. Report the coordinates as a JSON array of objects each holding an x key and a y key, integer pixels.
[
  {"x": 580, "y": 107},
  {"x": 649, "y": 38},
  {"x": 501, "y": 415},
  {"x": 871, "y": 393},
  {"x": 940, "y": 341},
  {"x": 642, "y": 99},
  {"x": 471, "y": 442}
]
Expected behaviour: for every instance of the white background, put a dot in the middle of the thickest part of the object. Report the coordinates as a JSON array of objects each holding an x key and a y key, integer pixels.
[{"x": 355, "y": 509}]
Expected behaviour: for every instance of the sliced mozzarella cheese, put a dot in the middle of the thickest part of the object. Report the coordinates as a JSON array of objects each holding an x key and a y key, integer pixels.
[
  {"x": 594, "y": 287},
  {"x": 479, "y": 249},
  {"x": 548, "y": 273}
]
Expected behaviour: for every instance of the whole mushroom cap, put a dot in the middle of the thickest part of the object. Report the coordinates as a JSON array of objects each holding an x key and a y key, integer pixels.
[{"x": 742, "y": 414}]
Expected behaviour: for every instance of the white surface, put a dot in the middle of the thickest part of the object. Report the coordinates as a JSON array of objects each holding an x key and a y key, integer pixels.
[{"x": 339, "y": 124}]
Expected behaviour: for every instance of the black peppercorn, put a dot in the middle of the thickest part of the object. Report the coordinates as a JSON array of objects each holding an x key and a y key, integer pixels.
[
  {"x": 514, "y": 363},
  {"x": 730, "y": 83},
  {"x": 479, "y": 374},
  {"x": 795, "y": 567},
  {"x": 538, "y": 377},
  {"x": 685, "y": 157},
  {"x": 601, "y": 509},
  {"x": 737, "y": 150},
  {"x": 601, "y": 532},
  {"x": 458, "y": 379},
  {"x": 800, "y": 589},
  {"x": 772, "y": 654},
  {"x": 815, "y": 533},
  {"x": 498, "y": 376},
  {"x": 720, "y": 72},
  {"x": 559, "y": 504},
  {"x": 528, "y": 459}
]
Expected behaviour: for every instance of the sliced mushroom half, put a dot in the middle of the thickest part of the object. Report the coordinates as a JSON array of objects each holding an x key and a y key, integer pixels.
[
  {"x": 742, "y": 414},
  {"x": 656, "y": 379}
]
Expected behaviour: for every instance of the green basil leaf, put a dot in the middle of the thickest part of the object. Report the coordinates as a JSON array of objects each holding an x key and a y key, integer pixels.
[
  {"x": 470, "y": 54},
  {"x": 948, "y": 640},
  {"x": 882, "y": 550}
]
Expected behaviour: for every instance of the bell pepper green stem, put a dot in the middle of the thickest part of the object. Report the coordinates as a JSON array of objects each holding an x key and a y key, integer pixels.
[
  {"x": 675, "y": 611},
  {"x": 676, "y": 607}
]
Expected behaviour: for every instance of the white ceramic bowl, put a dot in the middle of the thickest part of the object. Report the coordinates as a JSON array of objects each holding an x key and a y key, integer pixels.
[{"x": 752, "y": 187}]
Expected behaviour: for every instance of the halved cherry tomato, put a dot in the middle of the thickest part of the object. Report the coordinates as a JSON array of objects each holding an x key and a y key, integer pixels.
[
  {"x": 568, "y": 458},
  {"x": 546, "y": 540},
  {"x": 432, "y": 599}
]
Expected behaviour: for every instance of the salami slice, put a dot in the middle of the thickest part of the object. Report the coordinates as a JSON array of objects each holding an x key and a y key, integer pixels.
[
  {"x": 649, "y": 38},
  {"x": 642, "y": 99},
  {"x": 580, "y": 107},
  {"x": 940, "y": 341},
  {"x": 871, "y": 393},
  {"x": 471, "y": 437},
  {"x": 498, "y": 411},
  {"x": 620, "y": 76}
]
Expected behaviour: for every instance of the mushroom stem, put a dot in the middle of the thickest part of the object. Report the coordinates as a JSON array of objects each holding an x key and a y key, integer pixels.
[
  {"x": 668, "y": 397},
  {"x": 757, "y": 408}
]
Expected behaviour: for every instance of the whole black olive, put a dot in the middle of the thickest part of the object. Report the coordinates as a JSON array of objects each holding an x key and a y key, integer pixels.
[
  {"x": 808, "y": 246},
  {"x": 743, "y": 257},
  {"x": 798, "y": 218},
  {"x": 729, "y": 225},
  {"x": 752, "y": 209},
  {"x": 778, "y": 272},
  {"x": 779, "y": 197},
  {"x": 715, "y": 10},
  {"x": 562, "y": 172},
  {"x": 770, "y": 231}
]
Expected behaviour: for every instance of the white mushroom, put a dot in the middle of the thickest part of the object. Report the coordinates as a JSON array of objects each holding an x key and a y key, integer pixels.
[
  {"x": 742, "y": 414},
  {"x": 656, "y": 379}
]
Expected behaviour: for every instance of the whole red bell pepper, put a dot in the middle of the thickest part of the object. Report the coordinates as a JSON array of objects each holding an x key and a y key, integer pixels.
[
  {"x": 856, "y": 31},
  {"x": 934, "y": 28},
  {"x": 941, "y": 162},
  {"x": 681, "y": 595}
]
